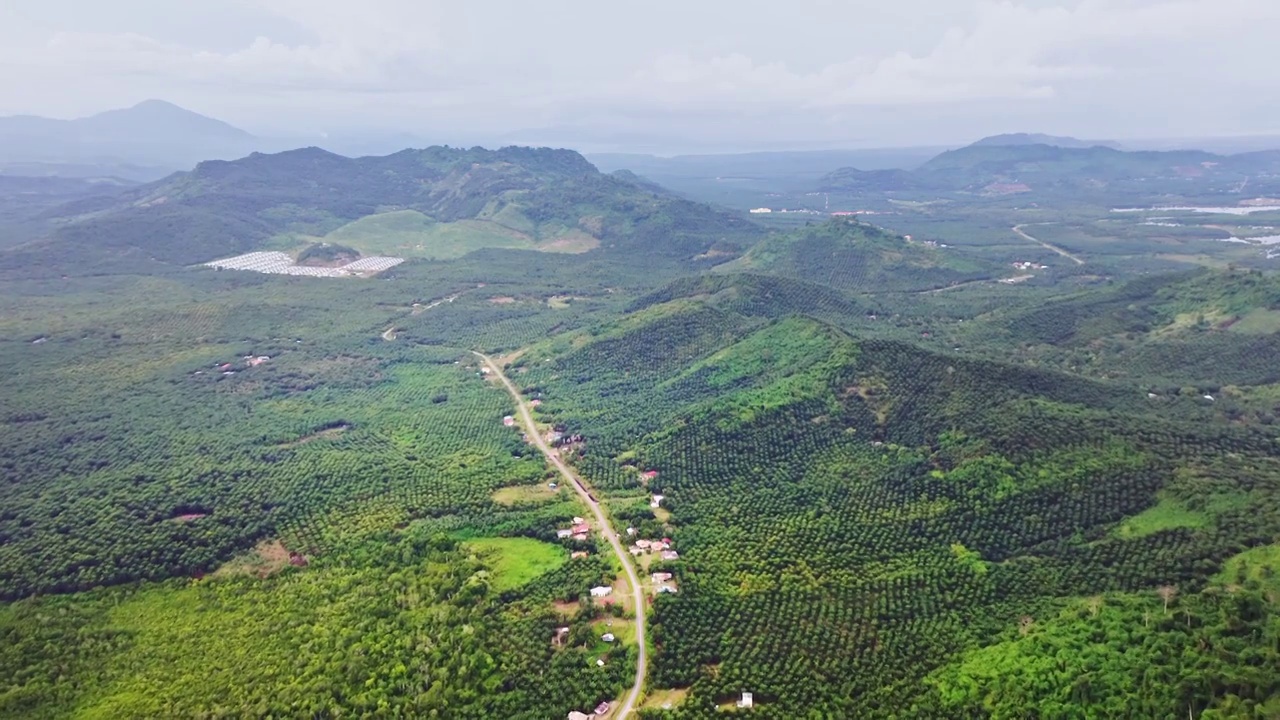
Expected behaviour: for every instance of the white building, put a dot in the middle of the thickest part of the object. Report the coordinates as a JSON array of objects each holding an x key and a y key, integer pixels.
[
  {"x": 760, "y": 211},
  {"x": 602, "y": 591},
  {"x": 746, "y": 701}
]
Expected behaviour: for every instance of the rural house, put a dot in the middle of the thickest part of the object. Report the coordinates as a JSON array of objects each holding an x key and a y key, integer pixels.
[{"x": 602, "y": 591}]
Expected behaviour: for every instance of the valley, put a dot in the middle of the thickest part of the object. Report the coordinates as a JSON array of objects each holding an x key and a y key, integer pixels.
[{"x": 594, "y": 447}]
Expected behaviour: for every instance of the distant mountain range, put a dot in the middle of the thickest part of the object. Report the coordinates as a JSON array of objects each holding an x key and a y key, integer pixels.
[
  {"x": 1012, "y": 165},
  {"x": 1015, "y": 139},
  {"x": 150, "y": 138}
]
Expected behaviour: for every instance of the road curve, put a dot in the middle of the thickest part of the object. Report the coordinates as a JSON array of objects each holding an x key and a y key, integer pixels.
[
  {"x": 526, "y": 419},
  {"x": 1018, "y": 229}
]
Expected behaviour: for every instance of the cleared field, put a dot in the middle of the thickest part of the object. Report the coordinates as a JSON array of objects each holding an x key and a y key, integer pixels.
[
  {"x": 1259, "y": 321},
  {"x": 664, "y": 699},
  {"x": 516, "y": 561},
  {"x": 1261, "y": 564},
  {"x": 1165, "y": 515},
  {"x": 525, "y": 495},
  {"x": 412, "y": 234}
]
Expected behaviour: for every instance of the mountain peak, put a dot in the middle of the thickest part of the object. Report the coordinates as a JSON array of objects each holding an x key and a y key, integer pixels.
[
  {"x": 163, "y": 116},
  {"x": 1012, "y": 139}
]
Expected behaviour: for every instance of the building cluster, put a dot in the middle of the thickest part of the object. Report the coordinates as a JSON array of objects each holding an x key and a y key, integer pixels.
[
  {"x": 229, "y": 368},
  {"x": 278, "y": 263},
  {"x": 1027, "y": 265},
  {"x": 579, "y": 531},
  {"x": 660, "y": 547},
  {"x": 664, "y": 583},
  {"x": 601, "y": 710}
]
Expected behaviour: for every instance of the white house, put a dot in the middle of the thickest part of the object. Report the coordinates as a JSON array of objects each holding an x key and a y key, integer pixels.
[
  {"x": 563, "y": 533},
  {"x": 657, "y": 501},
  {"x": 575, "y": 715},
  {"x": 608, "y": 637},
  {"x": 667, "y": 589},
  {"x": 602, "y": 591},
  {"x": 746, "y": 701},
  {"x": 760, "y": 211}
]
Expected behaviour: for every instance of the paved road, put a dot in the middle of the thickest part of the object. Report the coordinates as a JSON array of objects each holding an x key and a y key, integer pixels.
[
  {"x": 1018, "y": 229},
  {"x": 526, "y": 419}
]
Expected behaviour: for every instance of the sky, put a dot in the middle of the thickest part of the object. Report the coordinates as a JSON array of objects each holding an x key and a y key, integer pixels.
[{"x": 662, "y": 75}]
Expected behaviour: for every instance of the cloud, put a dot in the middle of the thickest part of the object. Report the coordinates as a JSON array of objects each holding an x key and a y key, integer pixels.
[
  {"x": 1010, "y": 51},
  {"x": 741, "y": 67},
  {"x": 371, "y": 46}
]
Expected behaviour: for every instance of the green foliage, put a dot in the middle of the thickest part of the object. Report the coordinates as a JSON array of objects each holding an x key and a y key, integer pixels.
[
  {"x": 848, "y": 255},
  {"x": 517, "y": 560},
  {"x": 860, "y": 511},
  {"x": 1121, "y": 656},
  {"x": 402, "y": 625},
  {"x": 326, "y": 253}
]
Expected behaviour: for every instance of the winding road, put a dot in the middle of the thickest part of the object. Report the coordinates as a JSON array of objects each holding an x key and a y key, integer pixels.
[
  {"x": 1018, "y": 229},
  {"x": 606, "y": 529}
]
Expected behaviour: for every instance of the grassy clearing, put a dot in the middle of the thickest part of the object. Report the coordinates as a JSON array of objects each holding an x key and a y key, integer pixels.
[
  {"x": 1260, "y": 563},
  {"x": 1259, "y": 321},
  {"x": 526, "y": 495},
  {"x": 516, "y": 561},
  {"x": 624, "y": 632},
  {"x": 664, "y": 699},
  {"x": 1164, "y": 515},
  {"x": 409, "y": 233}
]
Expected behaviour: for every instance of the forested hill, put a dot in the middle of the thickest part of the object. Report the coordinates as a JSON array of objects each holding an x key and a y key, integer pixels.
[
  {"x": 1016, "y": 168},
  {"x": 522, "y": 194},
  {"x": 1205, "y": 329},
  {"x": 846, "y": 254},
  {"x": 901, "y": 524}
]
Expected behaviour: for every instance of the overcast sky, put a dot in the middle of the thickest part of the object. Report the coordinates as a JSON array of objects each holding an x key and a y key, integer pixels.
[{"x": 660, "y": 74}]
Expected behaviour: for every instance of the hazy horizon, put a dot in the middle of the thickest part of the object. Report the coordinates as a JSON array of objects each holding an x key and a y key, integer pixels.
[{"x": 722, "y": 77}]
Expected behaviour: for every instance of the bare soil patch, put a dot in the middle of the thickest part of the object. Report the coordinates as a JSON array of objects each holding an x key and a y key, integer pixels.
[
  {"x": 572, "y": 242},
  {"x": 188, "y": 517},
  {"x": 565, "y": 609},
  {"x": 269, "y": 557},
  {"x": 502, "y": 300}
]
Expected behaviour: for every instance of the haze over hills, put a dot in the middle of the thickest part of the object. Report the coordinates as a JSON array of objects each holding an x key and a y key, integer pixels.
[
  {"x": 155, "y": 137},
  {"x": 1000, "y": 168},
  {"x": 1042, "y": 139}
]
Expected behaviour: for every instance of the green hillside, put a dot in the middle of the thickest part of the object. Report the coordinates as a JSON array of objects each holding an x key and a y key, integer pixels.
[
  {"x": 1206, "y": 329},
  {"x": 1067, "y": 174},
  {"x": 891, "y": 486},
  {"x": 866, "y": 511},
  {"x": 848, "y": 255}
]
